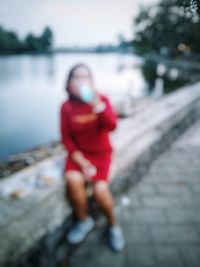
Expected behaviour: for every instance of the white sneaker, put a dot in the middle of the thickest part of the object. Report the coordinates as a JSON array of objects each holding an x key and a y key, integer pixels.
[
  {"x": 80, "y": 230},
  {"x": 115, "y": 238}
]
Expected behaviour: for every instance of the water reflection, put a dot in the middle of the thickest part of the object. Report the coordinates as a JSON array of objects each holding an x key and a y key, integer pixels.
[
  {"x": 42, "y": 66},
  {"x": 164, "y": 77},
  {"x": 14, "y": 69}
]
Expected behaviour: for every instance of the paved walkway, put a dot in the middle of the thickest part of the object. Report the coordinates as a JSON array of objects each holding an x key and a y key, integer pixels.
[{"x": 160, "y": 216}]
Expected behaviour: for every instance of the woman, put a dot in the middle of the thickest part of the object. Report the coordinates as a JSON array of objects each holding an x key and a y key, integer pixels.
[{"x": 86, "y": 120}]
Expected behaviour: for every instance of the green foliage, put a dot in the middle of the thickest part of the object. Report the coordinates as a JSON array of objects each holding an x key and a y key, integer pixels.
[
  {"x": 47, "y": 38},
  {"x": 170, "y": 26},
  {"x": 10, "y": 43}
]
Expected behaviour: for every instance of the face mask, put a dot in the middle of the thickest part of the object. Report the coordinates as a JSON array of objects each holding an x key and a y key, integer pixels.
[{"x": 86, "y": 93}]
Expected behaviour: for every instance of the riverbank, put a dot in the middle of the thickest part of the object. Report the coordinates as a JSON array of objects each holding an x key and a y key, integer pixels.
[
  {"x": 17, "y": 162},
  {"x": 96, "y": 50}
]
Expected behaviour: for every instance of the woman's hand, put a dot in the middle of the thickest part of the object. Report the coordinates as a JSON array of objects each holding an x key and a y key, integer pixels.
[
  {"x": 96, "y": 100},
  {"x": 97, "y": 104},
  {"x": 89, "y": 172},
  {"x": 88, "y": 169},
  {"x": 86, "y": 166}
]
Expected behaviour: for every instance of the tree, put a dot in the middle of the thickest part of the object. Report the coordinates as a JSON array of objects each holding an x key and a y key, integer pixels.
[
  {"x": 14, "y": 42},
  {"x": 171, "y": 26},
  {"x": 31, "y": 43},
  {"x": 10, "y": 43},
  {"x": 41, "y": 43},
  {"x": 46, "y": 39}
]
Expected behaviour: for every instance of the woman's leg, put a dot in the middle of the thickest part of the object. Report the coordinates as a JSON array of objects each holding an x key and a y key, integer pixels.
[
  {"x": 104, "y": 200},
  {"x": 76, "y": 192}
]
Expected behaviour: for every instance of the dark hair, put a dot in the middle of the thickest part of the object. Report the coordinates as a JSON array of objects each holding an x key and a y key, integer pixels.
[{"x": 69, "y": 77}]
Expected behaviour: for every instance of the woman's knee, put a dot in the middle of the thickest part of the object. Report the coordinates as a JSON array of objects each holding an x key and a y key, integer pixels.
[
  {"x": 74, "y": 179},
  {"x": 101, "y": 189}
]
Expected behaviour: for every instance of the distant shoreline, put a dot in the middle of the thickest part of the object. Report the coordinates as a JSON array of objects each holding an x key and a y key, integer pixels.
[{"x": 66, "y": 51}]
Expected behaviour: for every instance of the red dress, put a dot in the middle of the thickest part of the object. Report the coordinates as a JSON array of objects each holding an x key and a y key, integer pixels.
[{"x": 88, "y": 132}]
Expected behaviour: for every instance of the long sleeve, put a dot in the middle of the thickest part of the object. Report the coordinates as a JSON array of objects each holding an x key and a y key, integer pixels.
[
  {"x": 66, "y": 138},
  {"x": 108, "y": 117}
]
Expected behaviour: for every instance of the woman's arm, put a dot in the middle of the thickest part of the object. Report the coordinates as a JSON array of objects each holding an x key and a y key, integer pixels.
[
  {"x": 67, "y": 141},
  {"x": 66, "y": 138},
  {"x": 107, "y": 115}
]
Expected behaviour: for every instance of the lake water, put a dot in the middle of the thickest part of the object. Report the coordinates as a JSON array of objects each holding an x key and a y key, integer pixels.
[{"x": 32, "y": 90}]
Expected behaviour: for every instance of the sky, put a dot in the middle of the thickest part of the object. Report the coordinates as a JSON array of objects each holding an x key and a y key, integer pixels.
[{"x": 74, "y": 22}]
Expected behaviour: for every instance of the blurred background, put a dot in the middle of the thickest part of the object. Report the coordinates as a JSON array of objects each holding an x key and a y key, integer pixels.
[
  {"x": 136, "y": 48},
  {"x": 139, "y": 51}
]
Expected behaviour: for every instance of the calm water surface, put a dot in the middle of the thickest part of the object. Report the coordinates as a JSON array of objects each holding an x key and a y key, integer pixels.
[{"x": 32, "y": 90}]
